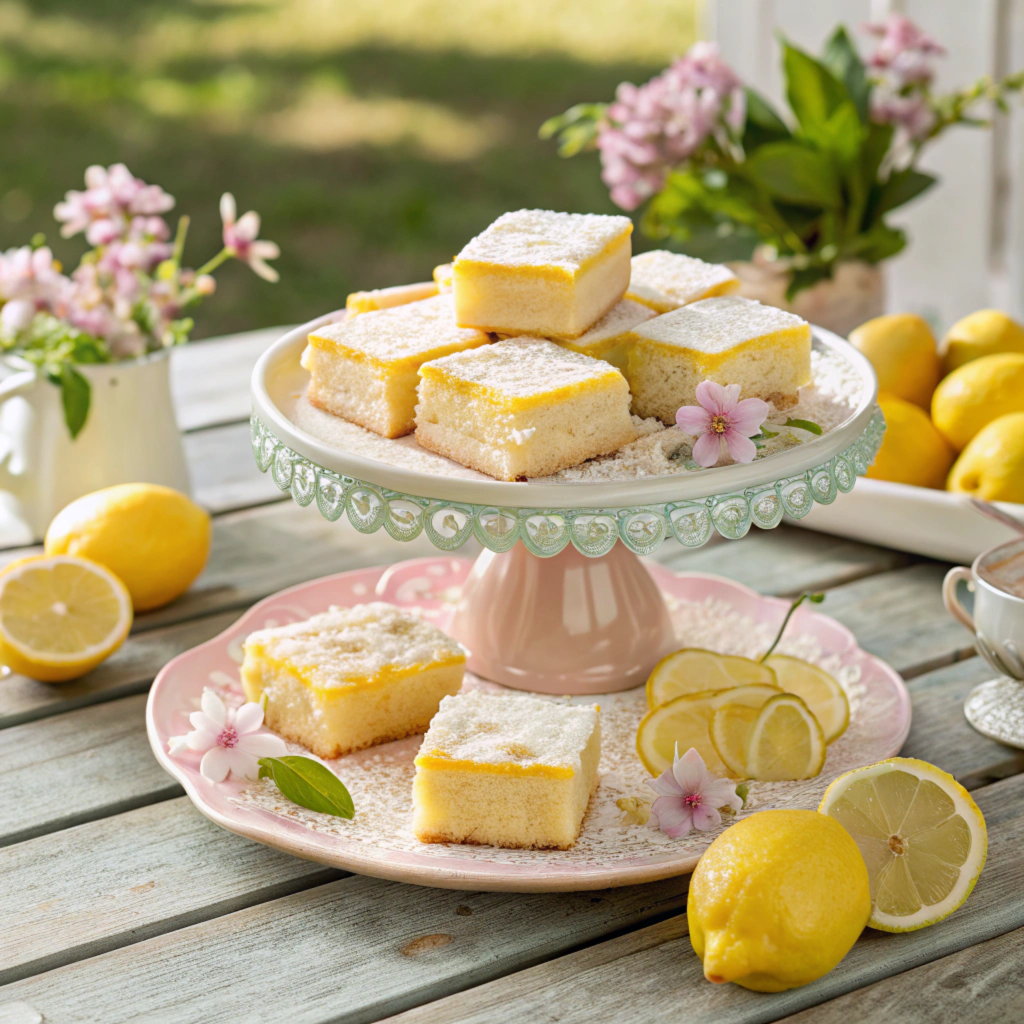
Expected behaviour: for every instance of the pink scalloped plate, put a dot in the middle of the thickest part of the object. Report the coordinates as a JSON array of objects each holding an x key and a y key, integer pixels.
[{"x": 614, "y": 848}]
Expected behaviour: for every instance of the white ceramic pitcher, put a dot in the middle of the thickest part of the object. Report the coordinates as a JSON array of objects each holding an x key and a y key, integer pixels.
[{"x": 130, "y": 436}]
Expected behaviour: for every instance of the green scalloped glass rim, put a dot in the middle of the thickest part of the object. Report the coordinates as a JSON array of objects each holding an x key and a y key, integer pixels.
[{"x": 545, "y": 532}]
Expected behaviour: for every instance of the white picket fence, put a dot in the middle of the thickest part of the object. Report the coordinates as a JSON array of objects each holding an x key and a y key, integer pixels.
[{"x": 967, "y": 233}]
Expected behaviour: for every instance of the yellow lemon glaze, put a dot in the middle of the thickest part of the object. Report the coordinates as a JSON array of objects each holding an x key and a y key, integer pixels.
[
  {"x": 388, "y": 366},
  {"x": 439, "y": 760},
  {"x": 711, "y": 360},
  {"x": 723, "y": 288}
]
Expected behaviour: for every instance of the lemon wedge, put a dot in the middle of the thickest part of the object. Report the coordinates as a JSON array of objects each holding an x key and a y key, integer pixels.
[
  {"x": 694, "y": 670},
  {"x": 817, "y": 689},
  {"x": 786, "y": 742},
  {"x": 686, "y": 721},
  {"x": 60, "y": 616},
  {"x": 920, "y": 833}
]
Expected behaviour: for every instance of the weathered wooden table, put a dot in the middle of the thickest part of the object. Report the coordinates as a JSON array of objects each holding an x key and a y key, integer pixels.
[{"x": 120, "y": 902}]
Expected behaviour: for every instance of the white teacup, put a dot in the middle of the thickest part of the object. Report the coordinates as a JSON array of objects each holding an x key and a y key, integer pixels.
[{"x": 997, "y": 579}]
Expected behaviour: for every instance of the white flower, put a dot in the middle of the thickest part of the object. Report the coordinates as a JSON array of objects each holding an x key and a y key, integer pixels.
[
  {"x": 227, "y": 739},
  {"x": 241, "y": 241}
]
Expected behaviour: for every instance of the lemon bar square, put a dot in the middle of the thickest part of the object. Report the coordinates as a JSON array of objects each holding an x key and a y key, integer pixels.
[
  {"x": 349, "y": 678},
  {"x": 729, "y": 340},
  {"x": 542, "y": 273},
  {"x": 504, "y": 770},
  {"x": 667, "y": 280},
  {"x": 608, "y": 338},
  {"x": 387, "y": 298},
  {"x": 522, "y": 407},
  {"x": 366, "y": 368}
]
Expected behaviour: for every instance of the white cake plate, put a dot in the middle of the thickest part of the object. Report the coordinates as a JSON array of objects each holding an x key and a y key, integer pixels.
[{"x": 583, "y": 616}]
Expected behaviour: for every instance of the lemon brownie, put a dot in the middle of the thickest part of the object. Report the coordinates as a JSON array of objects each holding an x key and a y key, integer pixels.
[
  {"x": 729, "y": 340},
  {"x": 667, "y": 280},
  {"x": 542, "y": 273},
  {"x": 607, "y": 339},
  {"x": 351, "y": 677},
  {"x": 365, "y": 368},
  {"x": 504, "y": 770},
  {"x": 387, "y": 298},
  {"x": 522, "y": 407}
]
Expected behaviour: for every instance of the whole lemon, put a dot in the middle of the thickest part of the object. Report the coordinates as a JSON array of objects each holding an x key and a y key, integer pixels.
[
  {"x": 913, "y": 451},
  {"x": 992, "y": 464},
  {"x": 153, "y": 538},
  {"x": 976, "y": 394},
  {"x": 777, "y": 900},
  {"x": 902, "y": 349},
  {"x": 985, "y": 333}
]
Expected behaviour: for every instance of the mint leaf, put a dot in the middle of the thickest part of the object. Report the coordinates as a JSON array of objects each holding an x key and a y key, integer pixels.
[
  {"x": 804, "y": 425},
  {"x": 75, "y": 396},
  {"x": 308, "y": 783}
]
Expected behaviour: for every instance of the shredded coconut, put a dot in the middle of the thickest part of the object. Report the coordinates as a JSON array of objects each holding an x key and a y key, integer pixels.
[
  {"x": 669, "y": 279},
  {"x": 542, "y": 238}
]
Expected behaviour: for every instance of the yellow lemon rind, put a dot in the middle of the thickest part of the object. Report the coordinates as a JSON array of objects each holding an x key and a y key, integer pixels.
[{"x": 654, "y": 700}]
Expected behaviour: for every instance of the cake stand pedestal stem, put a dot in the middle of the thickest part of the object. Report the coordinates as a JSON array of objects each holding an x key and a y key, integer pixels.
[{"x": 568, "y": 624}]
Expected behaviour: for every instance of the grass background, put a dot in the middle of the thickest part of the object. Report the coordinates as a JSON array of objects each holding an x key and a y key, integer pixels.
[{"x": 373, "y": 136}]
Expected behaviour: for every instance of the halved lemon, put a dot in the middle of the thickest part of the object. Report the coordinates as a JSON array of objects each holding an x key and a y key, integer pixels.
[
  {"x": 922, "y": 837},
  {"x": 694, "y": 670},
  {"x": 60, "y": 616},
  {"x": 817, "y": 689},
  {"x": 686, "y": 722},
  {"x": 785, "y": 742}
]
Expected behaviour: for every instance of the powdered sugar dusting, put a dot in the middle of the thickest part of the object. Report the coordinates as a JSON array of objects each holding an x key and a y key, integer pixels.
[{"x": 671, "y": 279}]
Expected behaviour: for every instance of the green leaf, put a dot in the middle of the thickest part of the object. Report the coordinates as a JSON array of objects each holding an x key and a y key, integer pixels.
[
  {"x": 901, "y": 187},
  {"x": 308, "y": 783},
  {"x": 810, "y": 425},
  {"x": 842, "y": 59},
  {"x": 75, "y": 396},
  {"x": 763, "y": 124},
  {"x": 795, "y": 173},
  {"x": 576, "y": 129},
  {"x": 880, "y": 243},
  {"x": 813, "y": 91},
  {"x": 806, "y": 277},
  {"x": 842, "y": 134}
]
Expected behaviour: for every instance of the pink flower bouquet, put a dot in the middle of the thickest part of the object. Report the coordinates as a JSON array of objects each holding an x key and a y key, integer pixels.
[{"x": 129, "y": 294}]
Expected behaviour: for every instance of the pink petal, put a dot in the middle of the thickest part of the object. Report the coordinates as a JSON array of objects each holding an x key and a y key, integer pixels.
[
  {"x": 264, "y": 744},
  {"x": 202, "y": 722},
  {"x": 242, "y": 765},
  {"x": 215, "y": 765},
  {"x": 741, "y": 448},
  {"x": 748, "y": 416},
  {"x": 707, "y": 450},
  {"x": 202, "y": 740},
  {"x": 690, "y": 772},
  {"x": 674, "y": 817},
  {"x": 265, "y": 250},
  {"x": 227, "y": 208},
  {"x": 248, "y": 226},
  {"x": 665, "y": 784},
  {"x": 214, "y": 707},
  {"x": 713, "y": 397},
  {"x": 721, "y": 793},
  {"x": 177, "y": 745},
  {"x": 693, "y": 420},
  {"x": 248, "y": 718},
  {"x": 264, "y": 270},
  {"x": 705, "y": 817}
]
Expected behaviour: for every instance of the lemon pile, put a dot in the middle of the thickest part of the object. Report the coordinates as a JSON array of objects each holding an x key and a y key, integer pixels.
[
  {"x": 769, "y": 721},
  {"x": 124, "y": 549},
  {"x": 954, "y": 413}
]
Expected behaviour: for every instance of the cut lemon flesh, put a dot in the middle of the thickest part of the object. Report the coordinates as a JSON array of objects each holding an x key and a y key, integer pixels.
[
  {"x": 60, "y": 616},
  {"x": 785, "y": 742},
  {"x": 730, "y": 730},
  {"x": 686, "y": 722},
  {"x": 920, "y": 833},
  {"x": 817, "y": 689},
  {"x": 694, "y": 670}
]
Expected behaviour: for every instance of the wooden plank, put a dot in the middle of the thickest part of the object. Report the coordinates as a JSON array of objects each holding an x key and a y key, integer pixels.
[
  {"x": 110, "y": 883},
  {"x": 210, "y": 379},
  {"x": 77, "y": 767},
  {"x": 358, "y": 949},
  {"x": 654, "y": 974},
  {"x": 981, "y": 983},
  {"x": 129, "y": 671},
  {"x": 224, "y": 473}
]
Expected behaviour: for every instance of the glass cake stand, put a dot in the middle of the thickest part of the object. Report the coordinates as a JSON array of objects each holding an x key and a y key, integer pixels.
[{"x": 558, "y": 601}]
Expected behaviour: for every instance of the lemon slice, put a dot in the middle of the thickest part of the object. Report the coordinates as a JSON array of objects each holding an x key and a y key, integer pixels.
[
  {"x": 786, "y": 742},
  {"x": 694, "y": 670},
  {"x": 922, "y": 837},
  {"x": 60, "y": 616},
  {"x": 817, "y": 689},
  {"x": 686, "y": 721},
  {"x": 730, "y": 730}
]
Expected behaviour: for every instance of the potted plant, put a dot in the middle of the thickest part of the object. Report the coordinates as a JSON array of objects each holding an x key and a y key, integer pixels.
[
  {"x": 800, "y": 202},
  {"x": 86, "y": 353}
]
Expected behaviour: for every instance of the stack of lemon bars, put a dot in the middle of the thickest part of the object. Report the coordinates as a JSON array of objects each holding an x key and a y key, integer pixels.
[
  {"x": 533, "y": 351},
  {"x": 530, "y": 353}
]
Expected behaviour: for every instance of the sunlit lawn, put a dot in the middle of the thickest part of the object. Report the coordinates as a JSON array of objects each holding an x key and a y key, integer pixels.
[{"x": 374, "y": 136}]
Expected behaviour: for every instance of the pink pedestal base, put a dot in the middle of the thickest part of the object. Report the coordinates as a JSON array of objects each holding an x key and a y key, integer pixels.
[{"x": 563, "y": 625}]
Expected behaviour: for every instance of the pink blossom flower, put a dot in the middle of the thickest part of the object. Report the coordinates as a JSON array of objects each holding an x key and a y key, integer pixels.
[
  {"x": 912, "y": 115},
  {"x": 112, "y": 198},
  {"x": 689, "y": 796},
  {"x": 30, "y": 282},
  {"x": 240, "y": 239},
  {"x": 228, "y": 739},
  {"x": 721, "y": 416},
  {"x": 904, "y": 47}
]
